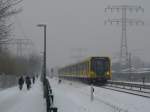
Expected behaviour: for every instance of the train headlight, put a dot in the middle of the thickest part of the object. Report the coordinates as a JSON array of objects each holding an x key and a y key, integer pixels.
[{"x": 107, "y": 73}]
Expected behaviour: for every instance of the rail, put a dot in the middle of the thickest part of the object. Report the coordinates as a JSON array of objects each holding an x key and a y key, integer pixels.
[
  {"x": 128, "y": 87},
  {"x": 128, "y": 84}
]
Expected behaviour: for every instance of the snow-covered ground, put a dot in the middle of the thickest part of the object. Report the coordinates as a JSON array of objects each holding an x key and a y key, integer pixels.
[
  {"x": 71, "y": 97},
  {"x": 13, "y": 100},
  {"x": 75, "y": 97}
]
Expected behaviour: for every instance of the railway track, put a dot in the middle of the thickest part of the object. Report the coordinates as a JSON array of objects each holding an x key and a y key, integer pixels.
[
  {"x": 129, "y": 88},
  {"x": 129, "y": 84}
]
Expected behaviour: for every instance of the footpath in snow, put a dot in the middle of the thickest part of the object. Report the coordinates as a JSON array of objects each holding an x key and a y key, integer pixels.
[
  {"x": 75, "y": 97},
  {"x": 14, "y": 100}
]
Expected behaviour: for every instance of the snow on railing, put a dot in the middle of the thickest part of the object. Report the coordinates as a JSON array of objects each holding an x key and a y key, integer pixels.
[{"x": 49, "y": 97}]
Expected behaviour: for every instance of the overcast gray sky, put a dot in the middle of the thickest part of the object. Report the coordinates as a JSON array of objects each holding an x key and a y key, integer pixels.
[{"x": 74, "y": 24}]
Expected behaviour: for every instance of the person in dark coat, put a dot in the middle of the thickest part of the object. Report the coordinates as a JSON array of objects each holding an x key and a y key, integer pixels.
[
  {"x": 28, "y": 82},
  {"x": 21, "y": 82},
  {"x": 59, "y": 81}
]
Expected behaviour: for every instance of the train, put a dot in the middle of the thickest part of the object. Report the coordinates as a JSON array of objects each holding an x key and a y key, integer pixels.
[{"x": 92, "y": 69}]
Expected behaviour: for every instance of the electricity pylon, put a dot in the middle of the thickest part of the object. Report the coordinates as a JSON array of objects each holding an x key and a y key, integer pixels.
[{"x": 124, "y": 21}]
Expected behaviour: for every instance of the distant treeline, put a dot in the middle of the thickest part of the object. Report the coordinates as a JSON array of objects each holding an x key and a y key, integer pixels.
[
  {"x": 11, "y": 64},
  {"x": 14, "y": 65}
]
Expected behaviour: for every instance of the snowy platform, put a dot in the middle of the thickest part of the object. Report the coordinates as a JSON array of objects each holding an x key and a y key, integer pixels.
[
  {"x": 75, "y": 97},
  {"x": 14, "y": 100}
]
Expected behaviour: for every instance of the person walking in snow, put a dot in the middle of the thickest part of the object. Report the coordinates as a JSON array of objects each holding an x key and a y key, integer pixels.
[
  {"x": 28, "y": 82},
  {"x": 21, "y": 82}
]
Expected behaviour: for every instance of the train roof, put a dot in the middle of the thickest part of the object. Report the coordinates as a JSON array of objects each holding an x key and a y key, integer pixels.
[{"x": 84, "y": 60}]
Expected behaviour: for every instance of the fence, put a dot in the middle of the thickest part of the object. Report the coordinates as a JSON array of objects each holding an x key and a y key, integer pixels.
[
  {"x": 132, "y": 77},
  {"x": 49, "y": 97}
]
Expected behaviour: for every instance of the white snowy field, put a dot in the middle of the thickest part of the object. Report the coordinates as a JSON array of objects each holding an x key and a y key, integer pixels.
[
  {"x": 14, "y": 100},
  {"x": 75, "y": 97}
]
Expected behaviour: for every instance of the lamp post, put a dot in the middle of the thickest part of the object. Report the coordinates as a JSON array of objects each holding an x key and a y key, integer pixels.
[{"x": 44, "y": 60}]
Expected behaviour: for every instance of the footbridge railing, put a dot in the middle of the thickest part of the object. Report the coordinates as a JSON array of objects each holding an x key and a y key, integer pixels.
[{"x": 48, "y": 95}]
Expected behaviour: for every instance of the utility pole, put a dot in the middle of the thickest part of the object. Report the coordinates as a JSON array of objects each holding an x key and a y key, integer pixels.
[
  {"x": 44, "y": 60},
  {"x": 3, "y": 45},
  {"x": 124, "y": 21},
  {"x": 20, "y": 43}
]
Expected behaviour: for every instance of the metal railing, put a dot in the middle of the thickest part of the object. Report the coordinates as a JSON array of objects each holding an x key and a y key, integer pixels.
[{"x": 49, "y": 97}]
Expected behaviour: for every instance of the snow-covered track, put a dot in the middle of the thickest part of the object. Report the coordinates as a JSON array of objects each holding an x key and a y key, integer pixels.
[
  {"x": 128, "y": 91},
  {"x": 127, "y": 87},
  {"x": 130, "y": 84}
]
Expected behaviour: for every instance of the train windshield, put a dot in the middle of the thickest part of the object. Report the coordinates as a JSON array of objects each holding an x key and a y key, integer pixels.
[{"x": 100, "y": 65}]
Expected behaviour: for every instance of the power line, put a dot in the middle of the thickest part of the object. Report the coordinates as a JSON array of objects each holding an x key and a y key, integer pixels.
[
  {"x": 20, "y": 43},
  {"x": 124, "y": 21}
]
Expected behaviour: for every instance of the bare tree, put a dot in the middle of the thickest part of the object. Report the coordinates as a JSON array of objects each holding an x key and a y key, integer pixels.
[{"x": 7, "y": 9}]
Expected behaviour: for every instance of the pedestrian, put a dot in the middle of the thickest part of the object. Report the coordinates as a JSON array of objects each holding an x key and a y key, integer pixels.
[
  {"x": 59, "y": 81},
  {"x": 28, "y": 82},
  {"x": 33, "y": 79},
  {"x": 21, "y": 82}
]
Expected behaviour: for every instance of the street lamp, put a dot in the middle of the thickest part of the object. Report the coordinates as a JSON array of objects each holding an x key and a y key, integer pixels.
[{"x": 44, "y": 60}]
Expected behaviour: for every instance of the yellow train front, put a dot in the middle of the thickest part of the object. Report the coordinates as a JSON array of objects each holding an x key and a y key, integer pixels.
[{"x": 93, "y": 69}]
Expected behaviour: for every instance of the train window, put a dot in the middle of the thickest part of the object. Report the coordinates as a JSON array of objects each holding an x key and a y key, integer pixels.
[
  {"x": 84, "y": 66},
  {"x": 75, "y": 69},
  {"x": 71, "y": 68},
  {"x": 87, "y": 66},
  {"x": 106, "y": 63},
  {"x": 100, "y": 65},
  {"x": 80, "y": 67}
]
